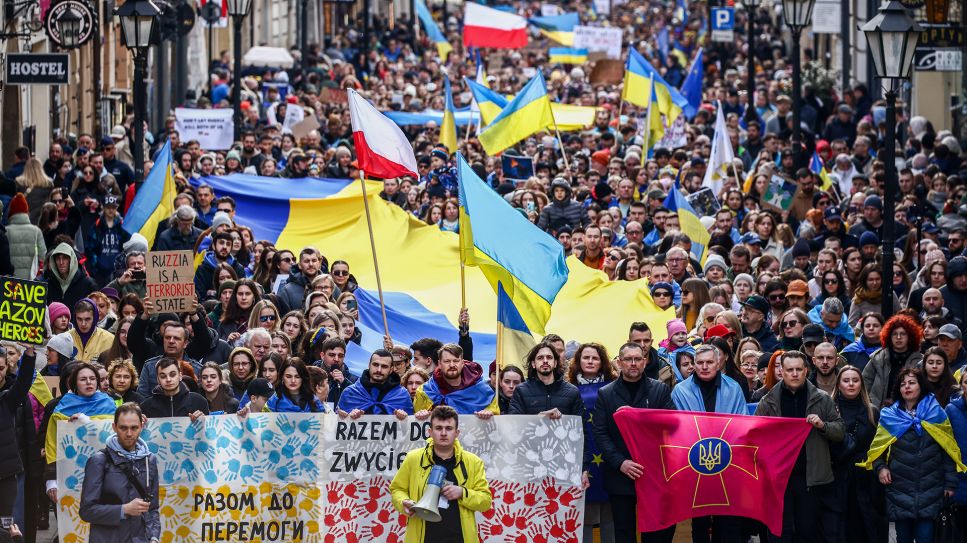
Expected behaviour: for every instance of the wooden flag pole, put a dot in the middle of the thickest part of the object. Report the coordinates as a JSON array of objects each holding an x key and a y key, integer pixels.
[
  {"x": 372, "y": 245},
  {"x": 567, "y": 163},
  {"x": 466, "y": 138}
]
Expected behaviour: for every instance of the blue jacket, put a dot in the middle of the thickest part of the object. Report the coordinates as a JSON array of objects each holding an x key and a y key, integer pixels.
[
  {"x": 842, "y": 335},
  {"x": 105, "y": 244}
]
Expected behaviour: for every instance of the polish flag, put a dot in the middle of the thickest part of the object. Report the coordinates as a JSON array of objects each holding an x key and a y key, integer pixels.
[
  {"x": 488, "y": 27},
  {"x": 382, "y": 149}
]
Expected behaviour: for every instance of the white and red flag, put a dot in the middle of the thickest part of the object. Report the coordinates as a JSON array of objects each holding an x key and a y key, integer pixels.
[
  {"x": 488, "y": 27},
  {"x": 382, "y": 149}
]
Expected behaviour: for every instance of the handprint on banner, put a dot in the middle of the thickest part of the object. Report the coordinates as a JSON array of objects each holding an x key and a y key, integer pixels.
[
  {"x": 309, "y": 425},
  {"x": 308, "y": 447}
]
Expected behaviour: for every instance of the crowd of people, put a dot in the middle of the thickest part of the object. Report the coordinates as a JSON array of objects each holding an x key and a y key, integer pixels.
[{"x": 780, "y": 316}]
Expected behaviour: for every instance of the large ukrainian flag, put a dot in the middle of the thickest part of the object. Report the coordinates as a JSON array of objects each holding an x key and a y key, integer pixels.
[
  {"x": 527, "y": 113},
  {"x": 929, "y": 417},
  {"x": 509, "y": 249},
  {"x": 155, "y": 199},
  {"x": 638, "y": 88},
  {"x": 514, "y": 340},
  {"x": 448, "y": 129},
  {"x": 421, "y": 276}
]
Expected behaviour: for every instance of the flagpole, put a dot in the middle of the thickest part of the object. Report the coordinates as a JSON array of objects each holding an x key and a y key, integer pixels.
[
  {"x": 372, "y": 246},
  {"x": 463, "y": 276},
  {"x": 466, "y": 139},
  {"x": 567, "y": 163},
  {"x": 500, "y": 344}
]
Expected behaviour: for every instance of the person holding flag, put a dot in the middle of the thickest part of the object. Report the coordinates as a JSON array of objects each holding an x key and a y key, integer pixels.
[
  {"x": 631, "y": 389},
  {"x": 812, "y": 476},
  {"x": 709, "y": 390},
  {"x": 914, "y": 454}
]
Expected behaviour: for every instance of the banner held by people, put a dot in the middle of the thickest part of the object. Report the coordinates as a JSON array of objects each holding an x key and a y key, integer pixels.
[
  {"x": 697, "y": 464},
  {"x": 310, "y": 477}
]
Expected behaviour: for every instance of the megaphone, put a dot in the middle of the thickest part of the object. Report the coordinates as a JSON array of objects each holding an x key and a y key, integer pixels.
[{"x": 426, "y": 508}]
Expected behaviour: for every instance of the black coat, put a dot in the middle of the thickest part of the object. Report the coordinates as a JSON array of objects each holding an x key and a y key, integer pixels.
[
  {"x": 651, "y": 394},
  {"x": 921, "y": 471},
  {"x": 106, "y": 488},
  {"x": 180, "y": 405},
  {"x": 145, "y": 344},
  {"x": 533, "y": 396},
  {"x": 10, "y": 400},
  {"x": 859, "y": 497}
]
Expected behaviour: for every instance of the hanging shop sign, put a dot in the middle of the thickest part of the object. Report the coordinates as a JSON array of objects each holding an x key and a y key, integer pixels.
[{"x": 82, "y": 9}]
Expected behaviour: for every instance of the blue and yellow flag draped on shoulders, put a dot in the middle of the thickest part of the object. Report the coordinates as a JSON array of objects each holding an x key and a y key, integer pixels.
[
  {"x": 96, "y": 406},
  {"x": 689, "y": 221},
  {"x": 514, "y": 339},
  {"x": 532, "y": 268},
  {"x": 929, "y": 417},
  {"x": 155, "y": 199},
  {"x": 527, "y": 113}
]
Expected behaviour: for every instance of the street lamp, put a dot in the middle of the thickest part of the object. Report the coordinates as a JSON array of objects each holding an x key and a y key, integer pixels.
[
  {"x": 139, "y": 30},
  {"x": 750, "y": 115},
  {"x": 892, "y": 36},
  {"x": 798, "y": 14},
  {"x": 69, "y": 23},
  {"x": 238, "y": 9}
]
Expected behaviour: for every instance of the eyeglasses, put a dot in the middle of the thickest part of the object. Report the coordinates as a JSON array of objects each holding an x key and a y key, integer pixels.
[
  {"x": 287, "y": 260},
  {"x": 830, "y": 281},
  {"x": 898, "y": 274},
  {"x": 340, "y": 273},
  {"x": 679, "y": 259},
  {"x": 777, "y": 297},
  {"x": 58, "y": 201},
  {"x": 789, "y": 324},
  {"x": 266, "y": 318},
  {"x": 752, "y": 364},
  {"x": 661, "y": 295}
]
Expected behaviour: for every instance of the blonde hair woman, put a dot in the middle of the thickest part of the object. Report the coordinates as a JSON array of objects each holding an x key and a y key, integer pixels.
[
  {"x": 264, "y": 315},
  {"x": 36, "y": 187}
]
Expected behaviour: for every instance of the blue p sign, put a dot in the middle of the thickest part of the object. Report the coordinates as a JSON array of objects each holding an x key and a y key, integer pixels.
[{"x": 723, "y": 18}]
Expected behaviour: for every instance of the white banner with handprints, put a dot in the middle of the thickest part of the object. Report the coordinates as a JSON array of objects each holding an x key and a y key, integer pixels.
[{"x": 319, "y": 478}]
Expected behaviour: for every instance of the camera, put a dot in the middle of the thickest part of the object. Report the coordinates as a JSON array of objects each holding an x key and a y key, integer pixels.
[
  {"x": 138, "y": 275},
  {"x": 6, "y": 522}
]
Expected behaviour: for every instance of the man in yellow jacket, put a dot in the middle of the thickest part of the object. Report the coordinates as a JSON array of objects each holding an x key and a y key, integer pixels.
[
  {"x": 465, "y": 486},
  {"x": 90, "y": 340}
]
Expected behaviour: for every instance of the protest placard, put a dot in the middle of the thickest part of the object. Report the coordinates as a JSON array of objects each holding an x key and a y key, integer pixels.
[
  {"x": 294, "y": 114},
  {"x": 780, "y": 193},
  {"x": 607, "y": 72},
  {"x": 517, "y": 167},
  {"x": 23, "y": 305},
  {"x": 598, "y": 39},
  {"x": 170, "y": 281},
  {"x": 314, "y": 477},
  {"x": 213, "y": 128},
  {"x": 704, "y": 202},
  {"x": 333, "y": 95},
  {"x": 302, "y": 128}
]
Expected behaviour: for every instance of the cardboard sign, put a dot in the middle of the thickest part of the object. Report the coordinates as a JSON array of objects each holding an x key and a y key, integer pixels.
[
  {"x": 607, "y": 72},
  {"x": 53, "y": 383},
  {"x": 302, "y": 128},
  {"x": 170, "y": 281},
  {"x": 23, "y": 306}
]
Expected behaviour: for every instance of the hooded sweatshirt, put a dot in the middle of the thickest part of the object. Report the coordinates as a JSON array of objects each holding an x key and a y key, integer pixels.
[
  {"x": 72, "y": 287},
  {"x": 91, "y": 344},
  {"x": 559, "y": 213}
]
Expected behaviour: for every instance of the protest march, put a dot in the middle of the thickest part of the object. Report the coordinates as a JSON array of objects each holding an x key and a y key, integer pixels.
[{"x": 509, "y": 271}]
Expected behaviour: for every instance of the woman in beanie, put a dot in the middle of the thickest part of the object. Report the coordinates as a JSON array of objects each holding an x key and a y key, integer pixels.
[{"x": 27, "y": 245}]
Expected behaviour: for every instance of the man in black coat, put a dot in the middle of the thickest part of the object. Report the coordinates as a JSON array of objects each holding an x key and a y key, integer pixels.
[
  {"x": 545, "y": 392},
  {"x": 10, "y": 400},
  {"x": 632, "y": 389},
  {"x": 171, "y": 398}
]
